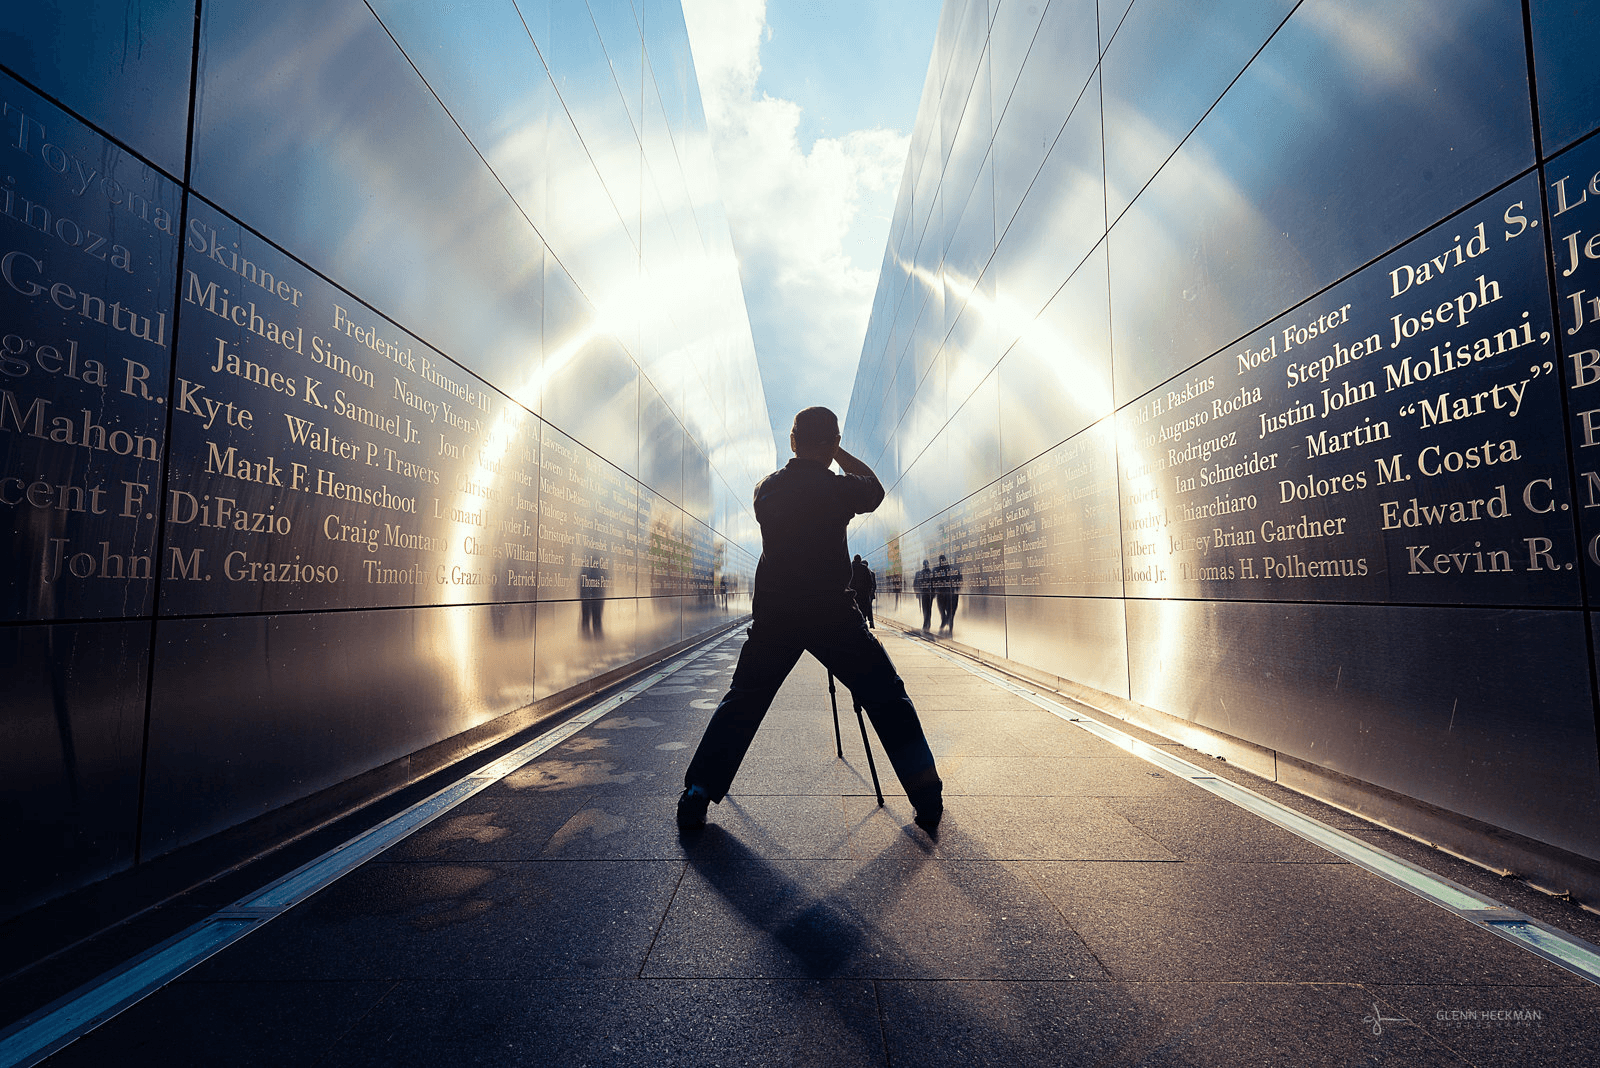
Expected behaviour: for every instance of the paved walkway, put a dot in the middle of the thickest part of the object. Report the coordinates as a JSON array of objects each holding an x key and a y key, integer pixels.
[{"x": 1080, "y": 906}]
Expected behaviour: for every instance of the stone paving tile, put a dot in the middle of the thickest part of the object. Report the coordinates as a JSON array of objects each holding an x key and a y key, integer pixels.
[
  {"x": 411, "y": 920},
  {"x": 1331, "y": 922},
  {"x": 1107, "y": 775},
  {"x": 1026, "y": 828},
  {"x": 498, "y": 824},
  {"x": 622, "y": 828},
  {"x": 822, "y": 773},
  {"x": 1005, "y": 1024},
  {"x": 601, "y": 772},
  {"x": 1209, "y": 828},
  {"x": 242, "y": 1024},
  {"x": 738, "y": 914},
  {"x": 633, "y": 1023}
]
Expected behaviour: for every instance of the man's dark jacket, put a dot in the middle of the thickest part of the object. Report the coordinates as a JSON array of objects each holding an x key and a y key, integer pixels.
[{"x": 804, "y": 573}]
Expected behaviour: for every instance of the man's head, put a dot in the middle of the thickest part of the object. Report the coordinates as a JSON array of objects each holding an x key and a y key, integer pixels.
[
  {"x": 857, "y": 560},
  {"x": 941, "y": 558},
  {"x": 815, "y": 435}
]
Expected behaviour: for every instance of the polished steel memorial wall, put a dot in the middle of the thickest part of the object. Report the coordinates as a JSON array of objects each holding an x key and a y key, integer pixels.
[
  {"x": 1238, "y": 359},
  {"x": 368, "y": 372}
]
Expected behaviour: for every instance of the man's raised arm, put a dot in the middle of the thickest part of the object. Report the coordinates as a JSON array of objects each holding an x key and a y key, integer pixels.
[
  {"x": 850, "y": 465},
  {"x": 869, "y": 494}
]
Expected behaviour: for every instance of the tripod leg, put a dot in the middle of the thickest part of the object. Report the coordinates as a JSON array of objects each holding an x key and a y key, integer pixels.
[
  {"x": 872, "y": 767},
  {"x": 838, "y": 742}
]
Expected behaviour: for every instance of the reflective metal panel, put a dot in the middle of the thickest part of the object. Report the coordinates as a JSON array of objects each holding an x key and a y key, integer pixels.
[
  {"x": 593, "y": 395},
  {"x": 1169, "y": 63},
  {"x": 325, "y": 458},
  {"x": 1056, "y": 378},
  {"x": 1061, "y": 513},
  {"x": 977, "y": 620},
  {"x": 971, "y": 145},
  {"x": 1434, "y": 703},
  {"x": 1059, "y": 222},
  {"x": 483, "y": 64},
  {"x": 661, "y": 444},
  {"x": 309, "y": 127},
  {"x": 659, "y": 623},
  {"x": 87, "y": 274},
  {"x": 250, "y": 713},
  {"x": 1013, "y": 24},
  {"x": 1572, "y": 218},
  {"x": 74, "y": 727},
  {"x": 1306, "y": 186},
  {"x": 125, "y": 69},
  {"x": 587, "y": 518},
  {"x": 974, "y": 433},
  {"x": 663, "y": 554},
  {"x": 1398, "y": 438},
  {"x": 581, "y": 639},
  {"x": 1051, "y": 85},
  {"x": 969, "y": 289},
  {"x": 1569, "y": 80},
  {"x": 1080, "y": 638}
]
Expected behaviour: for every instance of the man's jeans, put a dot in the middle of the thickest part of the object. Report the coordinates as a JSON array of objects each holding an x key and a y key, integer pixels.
[{"x": 857, "y": 660}]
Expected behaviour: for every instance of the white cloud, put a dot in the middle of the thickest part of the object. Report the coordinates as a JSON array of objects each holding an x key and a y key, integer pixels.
[{"x": 793, "y": 215}]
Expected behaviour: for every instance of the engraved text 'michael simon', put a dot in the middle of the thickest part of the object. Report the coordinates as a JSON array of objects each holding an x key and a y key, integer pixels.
[{"x": 394, "y": 471}]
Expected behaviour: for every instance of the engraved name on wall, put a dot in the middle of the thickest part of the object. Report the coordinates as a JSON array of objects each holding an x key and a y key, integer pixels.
[
  {"x": 1398, "y": 438},
  {"x": 324, "y": 458},
  {"x": 88, "y": 250}
]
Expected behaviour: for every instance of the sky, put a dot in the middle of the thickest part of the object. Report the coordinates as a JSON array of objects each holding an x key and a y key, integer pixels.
[{"x": 811, "y": 105}]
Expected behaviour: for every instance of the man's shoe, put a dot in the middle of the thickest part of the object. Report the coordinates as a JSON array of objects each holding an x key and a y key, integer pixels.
[
  {"x": 692, "y": 809},
  {"x": 928, "y": 818}
]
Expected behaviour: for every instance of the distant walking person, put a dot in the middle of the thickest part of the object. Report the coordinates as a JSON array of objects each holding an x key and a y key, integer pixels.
[
  {"x": 865, "y": 586},
  {"x": 803, "y": 604},
  {"x": 922, "y": 583}
]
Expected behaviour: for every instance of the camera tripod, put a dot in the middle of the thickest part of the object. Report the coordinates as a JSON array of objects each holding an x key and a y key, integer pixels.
[{"x": 838, "y": 740}]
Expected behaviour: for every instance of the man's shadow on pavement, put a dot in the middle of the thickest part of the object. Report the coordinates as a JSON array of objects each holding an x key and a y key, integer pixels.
[{"x": 838, "y": 933}]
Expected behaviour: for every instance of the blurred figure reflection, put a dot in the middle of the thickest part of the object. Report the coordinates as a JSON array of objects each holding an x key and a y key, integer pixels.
[
  {"x": 923, "y": 585},
  {"x": 592, "y": 596},
  {"x": 865, "y": 586},
  {"x": 947, "y": 591}
]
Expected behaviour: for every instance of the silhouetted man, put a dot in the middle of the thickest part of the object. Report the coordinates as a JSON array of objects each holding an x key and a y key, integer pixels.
[
  {"x": 803, "y": 604},
  {"x": 865, "y": 587},
  {"x": 922, "y": 583}
]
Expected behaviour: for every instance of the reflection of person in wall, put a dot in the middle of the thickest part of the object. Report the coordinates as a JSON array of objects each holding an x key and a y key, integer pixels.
[
  {"x": 947, "y": 591},
  {"x": 803, "y": 603},
  {"x": 592, "y": 596},
  {"x": 865, "y": 586},
  {"x": 954, "y": 592},
  {"x": 922, "y": 582}
]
